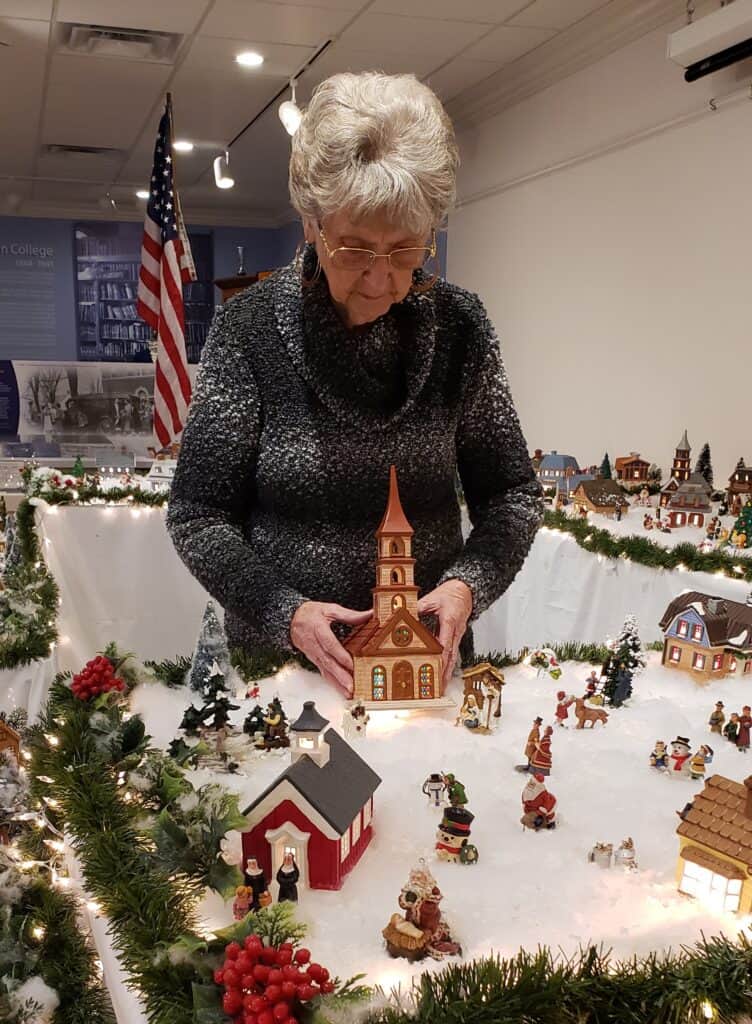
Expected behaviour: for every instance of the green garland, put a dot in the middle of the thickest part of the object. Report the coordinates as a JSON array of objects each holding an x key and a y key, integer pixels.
[
  {"x": 594, "y": 654},
  {"x": 27, "y": 636},
  {"x": 647, "y": 552}
]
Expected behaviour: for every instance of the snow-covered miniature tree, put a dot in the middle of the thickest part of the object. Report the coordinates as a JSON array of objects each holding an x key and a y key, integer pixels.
[
  {"x": 606, "y": 468},
  {"x": 217, "y": 707},
  {"x": 627, "y": 658},
  {"x": 12, "y": 547},
  {"x": 211, "y": 647},
  {"x": 704, "y": 465},
  {"x": 743, "y": 528},
  {"x": 654, "y": 473}
]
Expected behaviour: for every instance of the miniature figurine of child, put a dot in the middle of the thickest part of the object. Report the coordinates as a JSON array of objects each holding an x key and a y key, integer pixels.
[
  {"x": 542, "y": 758},
  {"x": 355, "y": 721},
  {"x": 433, "y": 788},
  {"x": 679, "y": 758},
  {"x": 562, "y": 708},
  {"x": 731, "y": 728},
  {"x": 538, "y": 805},
  {"x": 287, "y": 879},
  {"x": 255, "y": 880},
  {"x": 717, "y": 718},
  {"x": 625, "y": 856},
  {"x": 455, "y": 791},
  {"x": 745, "y": 723},
  {"x": 591, "y": 688},
  {"x": 241, "y": 905},
  {"x": 253, "y": 692},
  {"x": 698, "y": 761},
  {"x": 659, "y": 757},
  {"x": 647, "y": 521}
]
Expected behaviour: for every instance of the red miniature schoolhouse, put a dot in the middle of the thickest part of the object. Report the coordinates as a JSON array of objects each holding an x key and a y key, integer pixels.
[{"x": 320, "y": 809}]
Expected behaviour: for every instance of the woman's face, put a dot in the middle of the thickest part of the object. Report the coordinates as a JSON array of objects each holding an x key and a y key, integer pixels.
[{"x": 362, "y": 296}]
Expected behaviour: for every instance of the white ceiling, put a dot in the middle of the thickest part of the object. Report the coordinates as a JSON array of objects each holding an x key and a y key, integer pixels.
[{"x": 48, "y": 96}]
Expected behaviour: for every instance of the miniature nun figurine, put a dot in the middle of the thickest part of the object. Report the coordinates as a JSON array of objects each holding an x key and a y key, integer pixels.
[
  {"x": 287, "y": 877},
  {"x": 255, "y": 880}
]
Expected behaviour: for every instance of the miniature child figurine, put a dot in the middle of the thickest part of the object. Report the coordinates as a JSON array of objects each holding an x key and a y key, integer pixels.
[
  {"x": 241, "y": 905},
  {"x": 717, "y": 718},
  {"x": 542, "y": 759},
  {"x": 562, "y": 707},
  {"x": 422, "y": 931},
  {"x": 731, "y": 728},
  {"x": 355, "y": 720},
  {"x": 625, "y": 856},
  {"x": 647, "y": 521},
  {"x": 469, "y": 713},
  {"x": 745, "y": 723},
  {"x": 255, "y": 880},
  {"x": 591, "y": 686},
  {"x": 659, "y": 757},
  {"x": 679, "y": 758},
  {"x": 253, "y": 692},
  {"x": 433, "y": 787},
  {"x": 601, "y": 855},
  {"x": 287, "y": 878},
  {"x": 538, "y": 805},
  {"x": 452, "y": 836},
  {"x": 455, "y": 791},
  {"x": 698, "y": 761}
]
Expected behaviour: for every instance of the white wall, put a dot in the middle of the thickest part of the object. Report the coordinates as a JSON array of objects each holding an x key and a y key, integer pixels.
[{"x": 620, "y": 286}]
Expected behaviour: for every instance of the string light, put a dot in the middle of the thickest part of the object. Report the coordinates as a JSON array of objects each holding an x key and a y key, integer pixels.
[
  {"x": 52, "y": 739},
  {"x": 707, "y": 1010},
  {"x": 55, "y": 844},
  {"x": 38, "y": 932},
  {"x": 45, "y": 778},
  {"x": 94, "y": 907}
]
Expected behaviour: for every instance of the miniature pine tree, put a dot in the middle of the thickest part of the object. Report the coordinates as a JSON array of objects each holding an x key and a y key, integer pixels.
[
  {"x": 192, "y": 721},
  {"x": 704, "y": 465},
  {"x": 743, "y": 527},
  {"x": 211, "y": 647},
  {"x": 606, "y": 468},
  {"x": 78, "y": 468},
  {"x": 12, "y": 547},
  {"x": 254, "y": 721},
  {"x": 3, "y": 513},
  {"x": 626, "y": 660},
  {"x": 655, "y": 473}
]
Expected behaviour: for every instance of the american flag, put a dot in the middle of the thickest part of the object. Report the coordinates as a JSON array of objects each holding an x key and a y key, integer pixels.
[{"x": 166, "y": 262}]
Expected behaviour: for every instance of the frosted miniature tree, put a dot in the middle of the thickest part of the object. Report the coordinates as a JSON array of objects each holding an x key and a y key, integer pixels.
[
  {"x": 12, "y": 547},
  {"x": 626, "y": 660},
  {"x": 211, "y": 647},
  {"x": 704, "y": 465},
  {"x": 606, "y": 468}
]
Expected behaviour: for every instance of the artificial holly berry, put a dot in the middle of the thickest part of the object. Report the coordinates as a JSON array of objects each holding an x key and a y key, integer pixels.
[
  {"x": 231, "y": 1003},
  {"x": 281, "y": 1012},
  {"x": 266, "y": 1017},
  {"x": 231, "y": 978},
  {"x": 302, "y": 956},
  {"x": 289, "y": 989},
  {"x": 327, "y": 987},
  {"x": 273, "y": 993},
  {"x": 275, "y": 977},
  {"x": 97, "y": 676}
]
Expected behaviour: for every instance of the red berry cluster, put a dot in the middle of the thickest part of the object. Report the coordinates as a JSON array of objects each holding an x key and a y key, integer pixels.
[
  {"x": 269, "y": 984},
  {"x": 97, "y": 676}
]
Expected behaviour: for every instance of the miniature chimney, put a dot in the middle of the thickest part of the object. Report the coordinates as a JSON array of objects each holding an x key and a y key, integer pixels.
[
  {"x": 307, "y": 736},
  {"x": 749, "y": 599},
  {"x": 748, "y": 804}
]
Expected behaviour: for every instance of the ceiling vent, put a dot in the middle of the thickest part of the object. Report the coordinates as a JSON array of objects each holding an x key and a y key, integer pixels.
[
  {"x": 59, "y": 149},
  {"x": 121, "y": 43}
]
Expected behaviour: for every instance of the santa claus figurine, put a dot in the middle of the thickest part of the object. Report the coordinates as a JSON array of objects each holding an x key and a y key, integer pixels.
[
  {"x": 679, "y": 758},
  {"x": 538, "y": 805},
  {"x": 562, "y": 707}
]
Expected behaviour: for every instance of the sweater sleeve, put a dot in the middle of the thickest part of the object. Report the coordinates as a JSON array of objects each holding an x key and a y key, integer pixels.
[
  {"x": 214, "y": 485},
  {"x": 504, "y": 499}
]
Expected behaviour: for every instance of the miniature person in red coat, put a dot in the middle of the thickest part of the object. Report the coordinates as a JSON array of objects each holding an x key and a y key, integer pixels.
[
  {"x": 564, "y": 702},
  {"x": 745, "y": 723},
  {"x": 540, "y": 762},
  {"x": 538, "y": 805}
]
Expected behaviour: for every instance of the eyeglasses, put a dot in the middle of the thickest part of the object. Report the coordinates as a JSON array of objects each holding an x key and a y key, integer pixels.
[{"x": 347, "y": 258}]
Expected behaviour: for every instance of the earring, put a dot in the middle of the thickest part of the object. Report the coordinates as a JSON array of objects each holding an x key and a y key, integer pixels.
[{"x": 427, "y": 283}]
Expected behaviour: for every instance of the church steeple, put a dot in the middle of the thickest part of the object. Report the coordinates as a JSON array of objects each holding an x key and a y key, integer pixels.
[
  {"x": 395, "y": 585},
  {"x": 682, "y": 467}
]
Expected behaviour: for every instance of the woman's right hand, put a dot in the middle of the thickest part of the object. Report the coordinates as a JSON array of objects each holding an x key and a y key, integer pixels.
[{"x": 311, "y": 633}]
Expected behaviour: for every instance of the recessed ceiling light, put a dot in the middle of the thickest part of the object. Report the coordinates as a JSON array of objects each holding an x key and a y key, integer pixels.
[
  {"x": 142, "y": 194},
  {"x": 249, "y": 59},
  {"x": 183, "y": 146}
]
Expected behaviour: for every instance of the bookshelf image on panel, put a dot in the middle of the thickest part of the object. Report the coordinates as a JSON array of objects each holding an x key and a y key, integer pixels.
[{"x": 108, "y": 258}]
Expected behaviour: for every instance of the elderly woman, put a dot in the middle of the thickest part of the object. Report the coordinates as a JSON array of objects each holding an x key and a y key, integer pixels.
[{"x": 313, "y": 382}]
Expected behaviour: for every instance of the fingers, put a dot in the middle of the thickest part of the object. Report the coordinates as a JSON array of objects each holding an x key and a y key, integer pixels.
[
  {"x": 334, "y": 673},
  {"x": 335, "y": 663},
  {"x": 348, "y": 615}
]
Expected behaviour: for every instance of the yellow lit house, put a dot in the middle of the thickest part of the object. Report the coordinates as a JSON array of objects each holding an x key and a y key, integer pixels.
[{"x": 715, "y": 846}]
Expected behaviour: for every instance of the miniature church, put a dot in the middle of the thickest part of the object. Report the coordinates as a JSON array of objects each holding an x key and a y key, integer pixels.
[{"x": 396, "y": 659}]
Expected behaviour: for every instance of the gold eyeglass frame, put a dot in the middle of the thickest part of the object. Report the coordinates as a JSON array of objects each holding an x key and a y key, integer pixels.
[{"x": 429, "y": 250}]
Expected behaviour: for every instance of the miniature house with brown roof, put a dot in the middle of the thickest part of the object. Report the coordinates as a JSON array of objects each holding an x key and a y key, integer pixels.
[
  {"x": 715, "y": 846},
  {"x": 10, "y": 740},
  {"x": 690, "y": 502},
  {"x": 601, "y": 496},
  {"x": 708, "y": 637},
  {"x": 631, "y": 470},
  {"x": 396, "y": 659},
  {"x": 739, "y": 490}
]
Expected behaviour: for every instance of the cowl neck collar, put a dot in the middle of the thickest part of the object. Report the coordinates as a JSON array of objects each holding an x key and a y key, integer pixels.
[{"x": 315, "y": 339}]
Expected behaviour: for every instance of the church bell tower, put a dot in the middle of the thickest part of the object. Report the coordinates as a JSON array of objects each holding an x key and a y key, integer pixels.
[{"x": 395, "y": 585}]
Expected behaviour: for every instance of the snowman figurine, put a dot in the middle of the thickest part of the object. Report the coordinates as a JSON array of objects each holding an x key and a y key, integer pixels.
[{"x": 679, "y": 758}]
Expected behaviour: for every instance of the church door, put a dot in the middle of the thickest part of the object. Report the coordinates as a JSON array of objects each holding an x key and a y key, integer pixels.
[{"x": 402, "y": 681}]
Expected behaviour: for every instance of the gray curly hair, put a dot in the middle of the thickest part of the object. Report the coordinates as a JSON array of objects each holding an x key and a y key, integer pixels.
[{"x": 373, "y": 143}]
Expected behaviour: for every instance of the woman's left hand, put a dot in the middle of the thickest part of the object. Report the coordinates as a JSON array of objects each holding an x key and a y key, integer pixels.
[{"x": 452, "y": 604}]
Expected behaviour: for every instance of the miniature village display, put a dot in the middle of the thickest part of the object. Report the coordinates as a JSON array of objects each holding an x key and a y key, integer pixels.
[
  {"x": 355, "y": 721},
  {"x": 631, "y": 470},
  {"x": 452, "y": 837},
  {"x": 421, "y": 929},
  {"x": 585, "y": 714},
  {"x": 538, "y": 805},
  {"x": 396, "y": 659},
  {"x": 604, "y": 497},
  {"x": 686, "y": 494},
  {"x": 483, "y": 681},
  {"x": 319, "y": 809},
  {"x": 708, "y": 637},
  {"x": 715, "y": 845},
  {"x": 739, "y": 490}
]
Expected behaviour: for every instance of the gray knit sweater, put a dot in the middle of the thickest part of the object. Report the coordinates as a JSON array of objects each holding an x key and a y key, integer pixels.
[{"x": 283, "y": 472}]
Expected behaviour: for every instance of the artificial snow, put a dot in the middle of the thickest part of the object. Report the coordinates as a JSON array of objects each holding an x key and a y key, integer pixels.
[
  {"x": 35, "y": 994},
  {"x": 739, "y": 640},
  {"x": 527, "y": 888}
]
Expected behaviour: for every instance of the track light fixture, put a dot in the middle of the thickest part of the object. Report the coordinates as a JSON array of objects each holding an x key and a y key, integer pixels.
[
  {"x": 222, "y": 177},
  {"x": 290, "y": 113}
]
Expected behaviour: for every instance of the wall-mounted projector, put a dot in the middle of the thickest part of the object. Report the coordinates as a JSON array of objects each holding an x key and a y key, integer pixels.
[{"x": 713, "y": 42}]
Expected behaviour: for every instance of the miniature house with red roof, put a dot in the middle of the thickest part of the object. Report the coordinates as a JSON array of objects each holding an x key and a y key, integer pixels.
[
  {"x": 396, "y": 659},
  {"x": 320, "y": 809}
]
